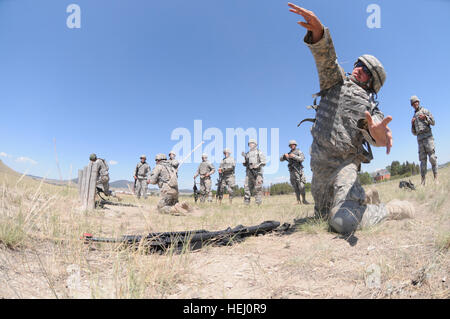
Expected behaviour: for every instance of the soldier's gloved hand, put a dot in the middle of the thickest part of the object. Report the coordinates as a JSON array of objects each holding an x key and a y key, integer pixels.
[
  {"x": 286, "y": 155},
  {"x": 422, "y": 117},
  {"x": 380, "y": 132}
]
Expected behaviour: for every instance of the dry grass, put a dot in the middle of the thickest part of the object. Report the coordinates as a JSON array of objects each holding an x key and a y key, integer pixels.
[{"x": 41, "y": 254}]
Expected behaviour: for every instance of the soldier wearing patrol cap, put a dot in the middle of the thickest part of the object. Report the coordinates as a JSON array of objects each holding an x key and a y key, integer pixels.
[
  {"x": 205, "y": 170},
  {"x": 295, "y": 158},
  {"x": 227, "y": 168},
  {"x": 421, "y": 127},
  {"x": 347, "y": 121},
  {"x": 140, "y": 177},
  {"x": 254, "y": 162}
]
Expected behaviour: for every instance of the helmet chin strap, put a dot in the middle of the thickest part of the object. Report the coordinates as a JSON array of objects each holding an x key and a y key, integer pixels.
[{"x": 365, "y": 85}]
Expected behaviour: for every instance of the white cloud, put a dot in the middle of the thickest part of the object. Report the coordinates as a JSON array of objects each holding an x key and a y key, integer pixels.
[
  {"x": 23, "y": 159},
  {"x": 111, "y": 162},
  {"x": 3, "y": 154}
]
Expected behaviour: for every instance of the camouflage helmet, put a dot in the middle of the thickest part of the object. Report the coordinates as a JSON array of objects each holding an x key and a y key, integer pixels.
[
  {"x": 172, "y": 152},
  {"x": 227, "y": 150},
  {"x": 292, "y": 142},
  {"x": 160, "y": 157},
  {"x": 414, "y": 99},
  {"x": 143, "y": 156},
  {"x": 252, "y": 140},
  {"x": 204, "y": 155},
  {"x": 93, "y": 157},
  {"x": 376, "y": 69}
]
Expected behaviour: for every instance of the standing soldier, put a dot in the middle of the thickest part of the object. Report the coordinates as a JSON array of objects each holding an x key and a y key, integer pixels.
[
  {"x": 254, "y": 163},
  {"x": 172, "y": 160},
  {"x": 165, "y": 176},
  {"x": 421, "y": 127},
  {"x": 140, "y": 177},
  {"x": 295, "y": 158},
  {"x": 347, "y": 119},
  {"x": 102, "y": 174},
  {"x": 205, "y": 170},
  {"x": 226, "y": 169}
]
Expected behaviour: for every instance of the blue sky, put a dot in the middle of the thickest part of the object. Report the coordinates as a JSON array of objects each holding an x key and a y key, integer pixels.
[{"x": 136, "y": 70}]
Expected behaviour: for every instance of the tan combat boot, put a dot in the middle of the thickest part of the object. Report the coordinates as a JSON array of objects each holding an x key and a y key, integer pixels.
[{"x": 400, "y": 209}]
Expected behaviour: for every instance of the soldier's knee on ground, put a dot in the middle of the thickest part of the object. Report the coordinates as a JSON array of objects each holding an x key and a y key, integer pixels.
[{"x": 343, "y": 221}]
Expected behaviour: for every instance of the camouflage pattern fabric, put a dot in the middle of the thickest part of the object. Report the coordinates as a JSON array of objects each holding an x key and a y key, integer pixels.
[
  {"x": 254, "y": 161},
  {"x": 142, "y": 170},
  {"x": 205, "y": 167},
  {"x": 174, "y": 163},
  {"x": 164, "y": 175},
  {"x": 228, "y": 166},
  {"x": 425, "y": 140},
  {"x": 297, "y": 177},
  {"x": 337, "y": 149},
  {"x": 103, "y": 175}
]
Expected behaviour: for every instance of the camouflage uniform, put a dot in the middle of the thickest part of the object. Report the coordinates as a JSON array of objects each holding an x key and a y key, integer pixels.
[
  {"x": 422, "y": 129},
  {"x": 142, "y": 171},
  {"x": 298, "y": 179},
  {"x": 254, "y": 162},
  {"x": 173, "y": 162},
  {"x": 339, "y": 133},
  {"x": 103, "y": 175},
  {"x": 205, "y": 167},
  {"x": 164, "y": 175},
  {"x": 228, "y": 166}
]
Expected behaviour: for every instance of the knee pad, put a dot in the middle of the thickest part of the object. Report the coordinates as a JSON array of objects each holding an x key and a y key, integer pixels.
[{"x": 343, "y": 221}]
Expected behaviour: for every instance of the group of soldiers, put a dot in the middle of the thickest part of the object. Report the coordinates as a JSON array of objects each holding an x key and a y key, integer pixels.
[
  {"x": 165, "y": 175},
  {"x": 347, "y": 122}
]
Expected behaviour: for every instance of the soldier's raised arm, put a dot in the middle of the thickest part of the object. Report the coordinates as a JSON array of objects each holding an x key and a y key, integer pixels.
[{"x": 319, "y": 41}]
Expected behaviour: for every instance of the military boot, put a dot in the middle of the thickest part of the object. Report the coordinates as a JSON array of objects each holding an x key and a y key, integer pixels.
[
  {"x": 305, "y": 202},
  {"x": 400, "y": 209}
]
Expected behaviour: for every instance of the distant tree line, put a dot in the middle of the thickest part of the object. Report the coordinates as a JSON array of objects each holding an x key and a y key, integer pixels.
[
  {"x": 365, "y": 178},
  {"x": 285, "y": 188},
  {"x": 406, "y": 169}
]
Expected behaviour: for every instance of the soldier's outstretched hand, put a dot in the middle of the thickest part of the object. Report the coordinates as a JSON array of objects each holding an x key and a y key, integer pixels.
[
  {"x": 380, "y": 131},
  {"x": 312, "y": 23}
]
